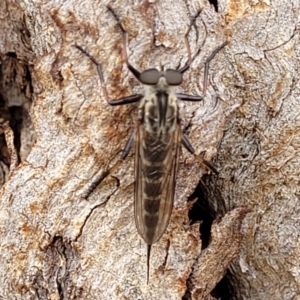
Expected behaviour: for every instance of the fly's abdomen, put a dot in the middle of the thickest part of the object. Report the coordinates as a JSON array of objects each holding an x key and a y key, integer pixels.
[
  {"x": 155, "y": 190},
  {"x": 152, "y": 190}
]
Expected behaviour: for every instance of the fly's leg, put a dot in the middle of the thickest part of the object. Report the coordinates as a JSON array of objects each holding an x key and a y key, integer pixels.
[
  {"x": 101, "y": 176},
  {"x": 122, "y": 101},
  {"x": 186, "y": 97},
  {"x": 126, "y": 100},
  {"x": 186, "y": 143},
  {"x": 190, "y": 60},
  {"x": 133, "y": 70},
  {"x": 206, "y": 68},
  {"x": 187, "y": 46}
]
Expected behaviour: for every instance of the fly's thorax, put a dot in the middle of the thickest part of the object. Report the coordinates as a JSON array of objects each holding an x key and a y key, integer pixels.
[{"x": 159, "y": 110}]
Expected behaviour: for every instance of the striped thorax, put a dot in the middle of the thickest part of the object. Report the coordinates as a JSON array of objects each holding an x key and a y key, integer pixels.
[{"x": 159, "y": 109}]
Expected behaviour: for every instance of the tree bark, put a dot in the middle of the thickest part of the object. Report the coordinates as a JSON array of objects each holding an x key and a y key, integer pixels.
[{"x": 57, "y": 243}]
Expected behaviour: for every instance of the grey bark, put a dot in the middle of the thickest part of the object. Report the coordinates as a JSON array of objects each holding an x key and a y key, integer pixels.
[{"x": 55, "y": 244}]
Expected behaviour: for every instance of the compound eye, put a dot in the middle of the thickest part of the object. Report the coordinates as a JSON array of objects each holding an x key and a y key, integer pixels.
[
  {"x": 173, "y": 77},
  {"x": 149, "y": 77}
]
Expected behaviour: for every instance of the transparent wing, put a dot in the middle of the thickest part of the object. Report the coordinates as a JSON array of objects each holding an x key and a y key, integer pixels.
[{"x": 156, "y": 162}]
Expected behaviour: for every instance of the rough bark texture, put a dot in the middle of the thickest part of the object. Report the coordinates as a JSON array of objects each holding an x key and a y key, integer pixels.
[{"x": 55, "y": 244}]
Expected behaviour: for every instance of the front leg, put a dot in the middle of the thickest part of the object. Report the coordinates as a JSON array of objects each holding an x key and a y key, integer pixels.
[
  {"x": 122, "y": 101},
  {"x": 186, "y": 97}
]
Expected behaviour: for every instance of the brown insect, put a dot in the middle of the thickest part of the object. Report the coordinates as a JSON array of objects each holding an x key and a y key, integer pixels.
[{"x": 157, "y": 137}]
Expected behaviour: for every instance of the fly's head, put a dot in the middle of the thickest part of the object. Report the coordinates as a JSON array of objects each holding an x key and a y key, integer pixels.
[
  {"x": 159, "y": 109},
  {"x": 160, "y": 79}
]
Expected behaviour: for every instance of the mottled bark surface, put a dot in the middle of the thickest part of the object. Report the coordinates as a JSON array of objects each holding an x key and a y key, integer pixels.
[{"x": 55, "y": 244}]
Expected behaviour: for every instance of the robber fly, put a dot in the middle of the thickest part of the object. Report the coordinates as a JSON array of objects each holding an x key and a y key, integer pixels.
[{"x": 157, "y": 137}]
